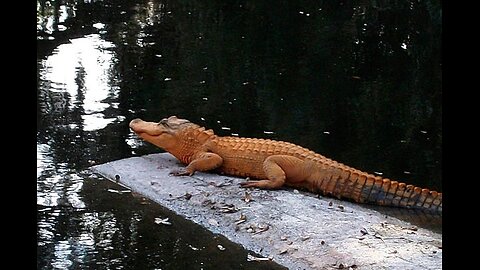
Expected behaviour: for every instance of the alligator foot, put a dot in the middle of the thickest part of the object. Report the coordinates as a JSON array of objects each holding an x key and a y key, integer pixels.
[
  {"x": 248, "y": 184},
  {"x": 268, "y": 184},
  {"x": 181, "y": 172}
]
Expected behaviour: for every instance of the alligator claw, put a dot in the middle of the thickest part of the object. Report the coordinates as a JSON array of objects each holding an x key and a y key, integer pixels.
[
  {"x": 180, "y": 172},
  {"x": 248, "y": 184}
]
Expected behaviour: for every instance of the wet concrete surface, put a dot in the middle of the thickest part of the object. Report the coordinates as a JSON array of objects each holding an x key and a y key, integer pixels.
[{"x": 296, "y": 229}]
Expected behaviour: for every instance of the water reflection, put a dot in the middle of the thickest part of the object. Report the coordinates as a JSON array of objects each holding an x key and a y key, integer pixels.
[
  {"x": 359, "y": 82},
  {"x": 82, "y": 75}
]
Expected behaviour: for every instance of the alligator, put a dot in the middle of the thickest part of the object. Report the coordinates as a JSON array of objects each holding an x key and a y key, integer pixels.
[{"x": 272, "y": 164}]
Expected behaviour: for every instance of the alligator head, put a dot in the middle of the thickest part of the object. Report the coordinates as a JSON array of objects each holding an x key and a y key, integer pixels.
[{"x": 163, "y": 134}]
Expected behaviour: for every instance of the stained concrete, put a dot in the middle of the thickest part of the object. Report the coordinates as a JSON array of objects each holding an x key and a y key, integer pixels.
[{"x": 296, "y": 229}]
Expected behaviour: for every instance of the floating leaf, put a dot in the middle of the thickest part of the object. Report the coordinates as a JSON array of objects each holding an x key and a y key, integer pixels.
[
  {"x": 193, "y": 248},
  {"x": 163, "y": 221},
  {"x": 118, "y": 191}
]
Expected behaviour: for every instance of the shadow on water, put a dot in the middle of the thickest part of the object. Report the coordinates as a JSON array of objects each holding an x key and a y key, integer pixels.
[{"x": 357, "y": 82}]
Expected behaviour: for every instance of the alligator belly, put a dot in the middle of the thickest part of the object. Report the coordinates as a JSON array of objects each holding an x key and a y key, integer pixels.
[{"x": 243, "y": 166}]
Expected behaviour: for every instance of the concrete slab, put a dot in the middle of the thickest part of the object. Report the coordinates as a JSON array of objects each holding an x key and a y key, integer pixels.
[{"x": 296, "y": 229}]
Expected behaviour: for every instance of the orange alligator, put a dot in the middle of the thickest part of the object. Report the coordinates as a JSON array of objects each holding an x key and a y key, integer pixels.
[{"x": 278, "y": 163}]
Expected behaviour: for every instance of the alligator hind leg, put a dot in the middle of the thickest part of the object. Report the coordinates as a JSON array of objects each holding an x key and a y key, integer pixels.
[{"x": 279, "y": 169}]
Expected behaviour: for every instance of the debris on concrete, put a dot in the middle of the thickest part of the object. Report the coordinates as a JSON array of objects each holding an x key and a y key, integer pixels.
[{"x": 296, "y": 229}]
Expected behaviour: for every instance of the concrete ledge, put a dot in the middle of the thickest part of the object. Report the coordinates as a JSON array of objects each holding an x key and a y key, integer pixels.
[{"x": 295, "y": 229}]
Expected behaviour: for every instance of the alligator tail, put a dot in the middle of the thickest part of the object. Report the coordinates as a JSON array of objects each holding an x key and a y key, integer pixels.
[{"x": 347, "y": 183}]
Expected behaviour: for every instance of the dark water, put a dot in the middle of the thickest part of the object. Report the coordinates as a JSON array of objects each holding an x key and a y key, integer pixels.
[{"x": 357, "y": 81}]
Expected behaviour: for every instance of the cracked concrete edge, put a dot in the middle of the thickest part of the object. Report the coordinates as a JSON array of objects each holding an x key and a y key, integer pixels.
[{"x": 299, "y": 231}]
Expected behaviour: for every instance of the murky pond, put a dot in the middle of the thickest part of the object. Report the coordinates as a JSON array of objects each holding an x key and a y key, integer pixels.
[{"x": 356, "y": 81}]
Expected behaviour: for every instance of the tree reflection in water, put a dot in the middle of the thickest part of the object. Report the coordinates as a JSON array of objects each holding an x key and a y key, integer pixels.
[{"x": 358, "y": 82}]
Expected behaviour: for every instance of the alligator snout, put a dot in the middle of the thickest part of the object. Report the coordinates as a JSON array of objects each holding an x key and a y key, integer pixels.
[{"x": 135, "y": 121}]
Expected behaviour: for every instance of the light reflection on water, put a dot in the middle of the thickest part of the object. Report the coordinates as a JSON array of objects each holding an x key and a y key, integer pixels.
[
  {"x": 77, "y": 76},
  {"x": 83, "y": 71},
  {"x": 77, "y": 86},
  {"x": 164, "y": 50}
]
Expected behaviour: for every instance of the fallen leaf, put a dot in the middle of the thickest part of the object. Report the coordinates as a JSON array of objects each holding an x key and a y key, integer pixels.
[
  {"x": 193, "y": 248},
  {"x": 213, "y": 222},
  {"x": 305, "y": 238},
  {"x": 262, "y": 228},
  {"x": 226, "y": 183},
  {"x": 229, "y": 208},
  {"x": 247, "y": 197},
  {"x": 251, "y": 258},
  {"x": 207, "y": 202},
  {"x": 241, "y": 220}
]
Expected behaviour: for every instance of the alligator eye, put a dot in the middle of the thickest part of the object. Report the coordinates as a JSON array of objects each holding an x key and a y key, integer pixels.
[{"x": 164, "y": 122}]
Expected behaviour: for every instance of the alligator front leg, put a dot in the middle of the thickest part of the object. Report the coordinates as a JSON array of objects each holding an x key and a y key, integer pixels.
[
  {"x": 203, "y": 161},
  {"x": 280, "y": 169}
]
